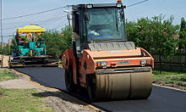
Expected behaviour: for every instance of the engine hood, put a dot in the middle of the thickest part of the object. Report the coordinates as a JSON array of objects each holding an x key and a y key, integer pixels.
[{"x": 114, "y": 53}]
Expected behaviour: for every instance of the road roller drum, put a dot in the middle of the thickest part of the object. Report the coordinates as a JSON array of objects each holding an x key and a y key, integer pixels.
[{"x": 120, "y": 86}]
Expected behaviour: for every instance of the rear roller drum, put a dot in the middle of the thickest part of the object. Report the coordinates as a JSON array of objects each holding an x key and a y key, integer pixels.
[{"x": 69, "y": 80}]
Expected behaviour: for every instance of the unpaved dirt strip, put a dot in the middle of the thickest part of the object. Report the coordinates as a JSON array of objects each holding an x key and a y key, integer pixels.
[
  {"x": 68, "y": 104},
  {"x": 177, "y": 86},
  {"x": 16, "y": 84},
  {"x": 170, "y": 87},
  {"x": 5, "y": 60},
  {"x": 60, "y": 101}
]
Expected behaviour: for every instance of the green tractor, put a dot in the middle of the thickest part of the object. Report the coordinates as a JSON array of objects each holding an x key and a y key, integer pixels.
[{"x": 29, "y": 49}]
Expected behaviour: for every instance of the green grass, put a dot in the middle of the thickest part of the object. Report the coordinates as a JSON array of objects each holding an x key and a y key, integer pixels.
[
  {"x": 22, "y": 100},
  {"x": 169, "y": 77},
  {"x": 6, "y": 75}
]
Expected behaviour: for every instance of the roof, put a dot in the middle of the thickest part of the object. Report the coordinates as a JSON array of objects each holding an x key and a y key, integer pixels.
[
  {"x": 109, "y": 5},
  {"x": 31, "y": 29}
]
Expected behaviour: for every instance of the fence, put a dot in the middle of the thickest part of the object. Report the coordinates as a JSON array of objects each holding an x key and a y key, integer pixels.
[{"x": 174, "y": 63}]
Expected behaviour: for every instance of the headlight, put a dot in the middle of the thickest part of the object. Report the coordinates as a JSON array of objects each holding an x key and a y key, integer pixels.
[
  {"x": 143, "y": 62},
  {"x": 119, "y": 5},
  {"x": 102, "y": 64},
  {"x": 89, "y": 6}
]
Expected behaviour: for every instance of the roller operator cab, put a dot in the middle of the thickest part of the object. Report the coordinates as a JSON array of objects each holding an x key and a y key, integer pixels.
[{"x": 101, "y": 59}]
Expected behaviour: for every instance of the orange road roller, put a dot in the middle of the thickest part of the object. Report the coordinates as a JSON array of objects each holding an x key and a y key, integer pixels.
[{"x": 101, "y": 59}]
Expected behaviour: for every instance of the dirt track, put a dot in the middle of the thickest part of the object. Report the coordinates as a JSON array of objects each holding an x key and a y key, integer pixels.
[
  {"x": 16, "y": 84},
  {"x": 61, "y": 102},
  {"x": 5, "y": 60}
]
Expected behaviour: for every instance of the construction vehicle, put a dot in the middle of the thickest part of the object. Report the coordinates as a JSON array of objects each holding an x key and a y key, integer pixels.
[
  {"x": 101, "y": 59},
  {"x": 29, "y": 49}
]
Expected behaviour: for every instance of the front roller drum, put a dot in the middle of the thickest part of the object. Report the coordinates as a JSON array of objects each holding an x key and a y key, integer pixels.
[{"x": 119, "y": 86}]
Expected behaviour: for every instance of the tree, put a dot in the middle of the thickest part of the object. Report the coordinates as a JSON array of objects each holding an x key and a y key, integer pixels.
[
  {"x": 6, "y": 50},
  {"x": 141, "y": 33},
  {"x": 182, "y": 35},
  {"x": 156, "y": 35},
  {"x": 57, "y": 42}
]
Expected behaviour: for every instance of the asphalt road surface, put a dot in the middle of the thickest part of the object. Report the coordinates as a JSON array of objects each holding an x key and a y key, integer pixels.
[{"x": 161, "y": 99}]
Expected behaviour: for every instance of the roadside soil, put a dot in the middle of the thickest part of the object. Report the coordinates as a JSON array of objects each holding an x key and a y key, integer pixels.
[
  {"x": 58, "y": 100},
  {"x": 5, "y": 60},
  {"x": 178, "y": 85},
  {"x": 16, "y": 84}
]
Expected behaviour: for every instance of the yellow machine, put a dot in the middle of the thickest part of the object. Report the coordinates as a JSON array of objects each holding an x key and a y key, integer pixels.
[{"x": 29, "y": 49}]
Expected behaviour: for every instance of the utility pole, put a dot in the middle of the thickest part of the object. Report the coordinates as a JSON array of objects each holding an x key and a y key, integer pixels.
[
  {"x": 9, "y": 45},
  {"x": 68, "y": 16},
  {"x": 1, "y": 26}
]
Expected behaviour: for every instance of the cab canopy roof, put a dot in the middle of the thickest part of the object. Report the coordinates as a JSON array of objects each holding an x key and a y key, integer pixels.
[{"x": 30, "y": 29}]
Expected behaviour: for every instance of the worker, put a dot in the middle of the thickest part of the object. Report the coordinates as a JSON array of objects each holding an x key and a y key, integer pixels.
[
  {"x": 19, "y": 39},
  {"x": 29, "y": 37},
  {"x": 99, "y": 32}
]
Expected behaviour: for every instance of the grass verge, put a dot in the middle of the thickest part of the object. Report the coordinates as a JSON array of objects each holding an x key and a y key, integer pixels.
[
  {"x": 6, "y": 75},
  {"x": 22, "y": 100},
  {"x": 173, "y": 79}
]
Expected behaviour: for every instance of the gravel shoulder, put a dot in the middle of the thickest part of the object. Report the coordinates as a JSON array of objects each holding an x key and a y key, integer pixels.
[
  {"x": 170, "y": 79},
  {"x": 16, "y": 84},
  {"x": 58, "y": 100}
]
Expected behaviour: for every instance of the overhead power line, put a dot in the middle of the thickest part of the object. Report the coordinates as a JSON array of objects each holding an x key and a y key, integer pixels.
[
  {"x": 53, "y": 18},
  {"x": 9, "y": 35},
  {"x": 137, "y": 3},
  {"x": 42, "y": 22},
  {"x": 26, "y": 15}
]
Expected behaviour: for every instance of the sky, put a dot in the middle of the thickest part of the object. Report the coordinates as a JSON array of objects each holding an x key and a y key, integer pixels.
[{"x": 57, "y": 19}]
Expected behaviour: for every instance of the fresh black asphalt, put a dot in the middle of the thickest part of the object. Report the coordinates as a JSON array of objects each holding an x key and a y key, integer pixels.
[{"x": 161, "y": 99}]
